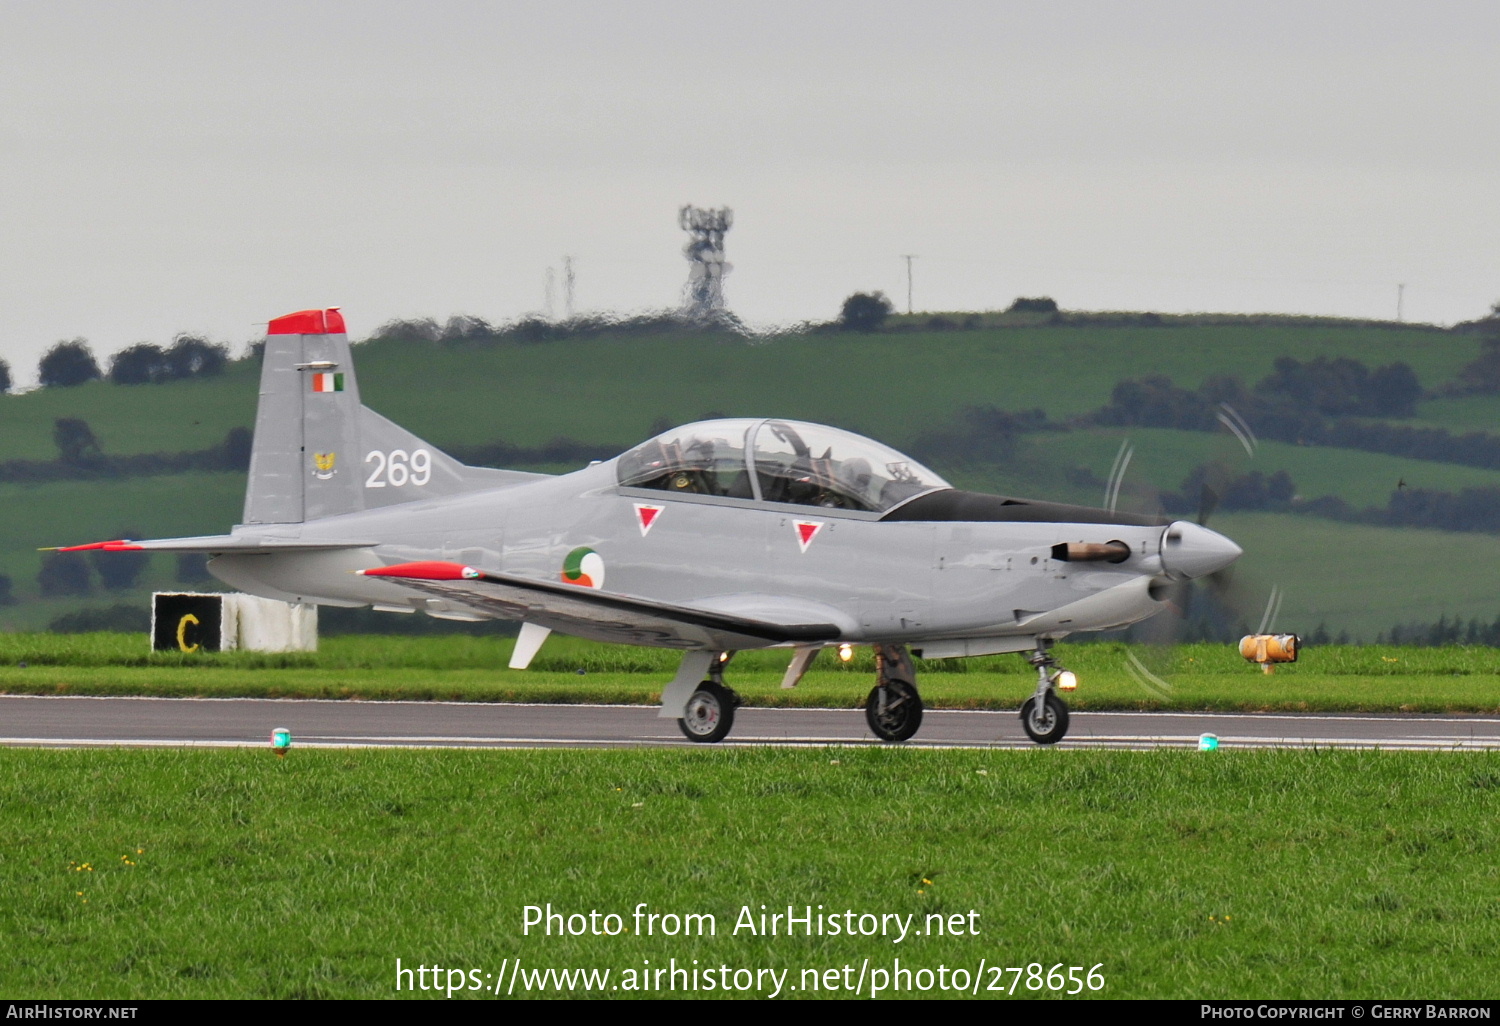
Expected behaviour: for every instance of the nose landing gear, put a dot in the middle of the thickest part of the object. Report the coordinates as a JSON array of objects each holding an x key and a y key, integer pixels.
[{"x": 1044, "y": 716}]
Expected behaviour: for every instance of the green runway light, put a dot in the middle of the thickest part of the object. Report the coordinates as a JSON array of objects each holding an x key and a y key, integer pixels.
[
  {"x": 1208, "y": 742},
  {"x": 281, "y": 740}
]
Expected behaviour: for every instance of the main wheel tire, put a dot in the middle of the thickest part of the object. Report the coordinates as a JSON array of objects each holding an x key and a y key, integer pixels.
[
  {"x": 1047, "y": 725},
  {"x": 709, "y": 714},
  {"x": 896, "y": 715}
]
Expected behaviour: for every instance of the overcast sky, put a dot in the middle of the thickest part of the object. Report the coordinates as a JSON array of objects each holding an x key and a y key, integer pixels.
[{"x": 207, "y": 165}]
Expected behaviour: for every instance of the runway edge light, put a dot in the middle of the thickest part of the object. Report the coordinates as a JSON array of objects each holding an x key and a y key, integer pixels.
[
  {"x": 281, "y": 740},
  {"x": 1268, "y": 649},
  {"x": 1208, "y": 742}
]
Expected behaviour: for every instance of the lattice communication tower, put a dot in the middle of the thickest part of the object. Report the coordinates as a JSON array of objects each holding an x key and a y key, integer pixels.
[{"x": 703, "y": 296}]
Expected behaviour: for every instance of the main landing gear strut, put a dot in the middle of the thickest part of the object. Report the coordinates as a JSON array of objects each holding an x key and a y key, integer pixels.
[
  {"x": 1044, "y": 716},
  {"x": 709, "y": 713},
  {"x": 894, "y": 709}
]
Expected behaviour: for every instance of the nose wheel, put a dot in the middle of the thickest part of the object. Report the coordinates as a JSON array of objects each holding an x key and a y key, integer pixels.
[
  {"x": 1045, "y": 721},
  {"x": 1044, "y": 716}
]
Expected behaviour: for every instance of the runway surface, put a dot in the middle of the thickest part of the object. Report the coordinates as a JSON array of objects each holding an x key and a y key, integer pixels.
[{"x": 236, "y": 722}]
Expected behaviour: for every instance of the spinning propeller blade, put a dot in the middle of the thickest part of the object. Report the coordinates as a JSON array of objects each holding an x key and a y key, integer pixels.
[{"x": 1210, "y": 603}]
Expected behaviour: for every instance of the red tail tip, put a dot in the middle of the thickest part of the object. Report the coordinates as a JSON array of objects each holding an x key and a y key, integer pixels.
[{"x": 309, "y": 322}]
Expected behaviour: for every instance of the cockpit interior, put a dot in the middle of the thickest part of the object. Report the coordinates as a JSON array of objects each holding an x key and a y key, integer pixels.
[{"x": 778, "y": 461}]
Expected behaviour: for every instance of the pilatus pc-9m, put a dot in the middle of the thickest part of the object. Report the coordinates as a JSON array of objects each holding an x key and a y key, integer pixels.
[{"x": 709, "y": 538}]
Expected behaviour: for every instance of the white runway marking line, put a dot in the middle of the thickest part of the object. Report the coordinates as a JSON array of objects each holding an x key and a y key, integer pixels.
[
  {"x": 326, "y": 701},
  {"x": 1068, "y": 744},
  {"x": 1292, "y": 742}
]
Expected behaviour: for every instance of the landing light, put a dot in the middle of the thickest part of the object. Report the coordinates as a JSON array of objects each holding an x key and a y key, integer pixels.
[
  {"x": 1067, "y": 680},
  {"x": 846, "y": 652}
]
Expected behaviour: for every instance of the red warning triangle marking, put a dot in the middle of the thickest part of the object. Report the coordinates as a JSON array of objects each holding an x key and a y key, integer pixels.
[
  {"x": 807, "y": 530},
  {"x": 647, "y": 516}
]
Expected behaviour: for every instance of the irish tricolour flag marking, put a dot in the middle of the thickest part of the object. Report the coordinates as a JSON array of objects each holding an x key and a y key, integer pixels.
[
  {"x": 807, "y": 530},
  {"x": 329, "y": 381}
]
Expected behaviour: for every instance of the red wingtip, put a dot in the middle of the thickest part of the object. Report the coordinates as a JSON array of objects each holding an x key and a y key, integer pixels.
[
  {"x": 429, "y": 570},
  {"x": 309, "y": 322},
  {"x": 120, "y": 545}
]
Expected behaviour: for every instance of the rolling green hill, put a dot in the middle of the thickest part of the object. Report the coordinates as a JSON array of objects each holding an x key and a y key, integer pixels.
[
  {"x": 897, "y": 385},
  {"x": 610, "y": 389}
]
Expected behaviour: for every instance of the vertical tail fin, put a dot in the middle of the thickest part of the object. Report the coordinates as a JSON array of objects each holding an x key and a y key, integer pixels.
[{"x": 318, "y": 452}]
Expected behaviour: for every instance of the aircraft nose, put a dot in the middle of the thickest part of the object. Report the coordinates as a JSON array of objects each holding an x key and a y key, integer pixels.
[{"x": 1188, "y": 550}]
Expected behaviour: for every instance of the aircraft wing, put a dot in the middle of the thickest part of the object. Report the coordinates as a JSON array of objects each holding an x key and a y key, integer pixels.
[
  {"x": 602, "y": 616},
  {"x": 212, "y": 543}
]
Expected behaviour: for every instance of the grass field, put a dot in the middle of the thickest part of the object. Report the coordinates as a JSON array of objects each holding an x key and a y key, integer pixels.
[
  {"x": 228, "y": 874},
  {"x": 617, "y": 386},
  {"x": 1160, "y": 458},
  {"x": 70, "y": 512},
  {"x": 1209, "y": 677},
  {"x": 1467, "y": 413},
  {"x": 128, "y": 419}
]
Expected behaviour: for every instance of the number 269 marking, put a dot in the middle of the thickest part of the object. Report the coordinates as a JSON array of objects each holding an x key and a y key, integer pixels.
[{"x": 398, "y": 469}]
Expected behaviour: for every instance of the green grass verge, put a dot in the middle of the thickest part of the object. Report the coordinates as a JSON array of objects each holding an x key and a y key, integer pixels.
[
  {"x": 1195, "y": 677},
  {"x": 234, "y": 874}
]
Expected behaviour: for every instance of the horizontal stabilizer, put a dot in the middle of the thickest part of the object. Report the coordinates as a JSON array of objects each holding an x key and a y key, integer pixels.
[{"x": 603, "y": 616}]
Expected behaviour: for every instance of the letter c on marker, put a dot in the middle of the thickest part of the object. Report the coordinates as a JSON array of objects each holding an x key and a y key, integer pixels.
[{"x": 182, "y": 626}]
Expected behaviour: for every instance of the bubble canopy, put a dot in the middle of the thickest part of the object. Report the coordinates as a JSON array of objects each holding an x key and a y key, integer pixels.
[{"x": 784, "y": 461}]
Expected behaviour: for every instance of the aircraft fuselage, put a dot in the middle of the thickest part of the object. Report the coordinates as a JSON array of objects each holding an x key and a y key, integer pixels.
[{"x": 885, "y": 580}]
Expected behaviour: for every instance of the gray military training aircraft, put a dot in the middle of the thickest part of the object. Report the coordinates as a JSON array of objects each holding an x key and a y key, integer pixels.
[{"x": 710, "y": 538}]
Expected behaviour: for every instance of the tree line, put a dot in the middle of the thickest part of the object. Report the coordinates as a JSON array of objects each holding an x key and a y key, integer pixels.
[
  {"x": 72, "y": 363},
  {"x": 1471, "y": 509},
  {"x": 468, "y": 331},
  {"x": 1319, "y": 402},
  {"x": 74, "y": 573},
  {"x": 80, "y": 455},
  {"x": 1442, "y": 632}
]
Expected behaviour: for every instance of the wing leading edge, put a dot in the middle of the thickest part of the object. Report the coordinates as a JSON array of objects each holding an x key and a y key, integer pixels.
[{"x": 602, "y": 616}]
